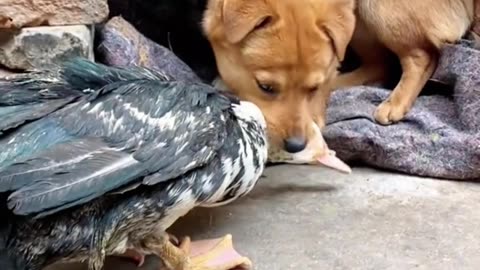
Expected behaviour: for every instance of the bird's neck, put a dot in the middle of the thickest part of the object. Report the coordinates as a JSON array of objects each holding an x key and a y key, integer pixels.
[{"x": 242, "y": 161}]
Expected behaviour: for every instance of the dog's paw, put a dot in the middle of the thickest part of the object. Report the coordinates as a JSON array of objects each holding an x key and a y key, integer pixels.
[{"x": 388, "y": 113}]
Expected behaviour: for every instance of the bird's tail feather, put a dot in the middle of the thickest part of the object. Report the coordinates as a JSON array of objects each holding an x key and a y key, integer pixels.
[
  {"x": 15, "y": 116},
  {"x": 84, "y": 74},
  {"x": 31, "y": 96},
  {"x": 7, "y": 261}
]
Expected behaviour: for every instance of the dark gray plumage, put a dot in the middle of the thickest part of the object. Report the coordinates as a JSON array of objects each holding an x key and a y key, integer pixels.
[{"x": 102, "y": 159}]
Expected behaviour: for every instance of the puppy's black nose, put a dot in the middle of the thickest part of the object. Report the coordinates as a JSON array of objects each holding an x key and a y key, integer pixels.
[{"x": 295, "y": 144}]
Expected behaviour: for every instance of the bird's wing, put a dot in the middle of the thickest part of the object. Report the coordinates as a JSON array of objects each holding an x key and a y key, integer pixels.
[
  {"x": 68, "y": 174},
  {"x": 168, "y": 128},
  {"x": 191, "y": 130},
  {"x": 177, "y": 126}
]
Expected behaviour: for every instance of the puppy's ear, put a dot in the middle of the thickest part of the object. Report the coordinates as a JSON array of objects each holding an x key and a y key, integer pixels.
[
  {"x": 339, "y": 24},
  {"x": 241, "y": 17}
]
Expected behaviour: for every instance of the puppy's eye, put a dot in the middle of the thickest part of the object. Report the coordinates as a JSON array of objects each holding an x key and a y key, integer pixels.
[
  {"x": 267, "y": 88},
  {"x": 313, "y": 89},
  {"x": 264, "y": 22}
]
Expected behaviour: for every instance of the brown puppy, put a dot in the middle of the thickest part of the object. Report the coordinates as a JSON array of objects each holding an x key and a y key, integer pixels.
[
  {"x": 282, "y": 55},
  {"x": 415, "y": 31}
]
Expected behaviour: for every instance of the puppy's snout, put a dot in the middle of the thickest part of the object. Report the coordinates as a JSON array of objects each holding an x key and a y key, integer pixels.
[{"x": 295, "y": 144}]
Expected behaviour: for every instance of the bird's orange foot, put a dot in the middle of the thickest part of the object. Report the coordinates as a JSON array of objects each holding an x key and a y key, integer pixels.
[
  {"x": 213, "y": 254},
  {"x": 138, "y": 257}
]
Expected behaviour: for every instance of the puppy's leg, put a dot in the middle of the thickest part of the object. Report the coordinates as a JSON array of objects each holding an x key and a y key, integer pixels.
[
  {"x": 418, "y": 66},
  {"x": 415, "y": 31},
  {"x": 367, "y": 73},
  {"x": 373, "y": 55}
]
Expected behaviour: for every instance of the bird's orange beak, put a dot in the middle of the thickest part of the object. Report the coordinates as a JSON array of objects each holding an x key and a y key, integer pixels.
[
  {"x": 331, "y": 161},
  {"x": 327, "y": 157}
]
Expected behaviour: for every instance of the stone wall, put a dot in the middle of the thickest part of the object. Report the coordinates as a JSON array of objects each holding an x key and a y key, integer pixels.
[{"x": 39, "y": 34}]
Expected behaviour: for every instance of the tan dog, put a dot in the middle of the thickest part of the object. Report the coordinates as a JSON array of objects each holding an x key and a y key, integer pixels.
[
  {"x": 415, "y": 31},
  {"x": 282, "y": 55}
]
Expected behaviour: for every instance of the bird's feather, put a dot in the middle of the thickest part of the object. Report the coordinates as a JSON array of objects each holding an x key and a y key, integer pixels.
[
  {"x": 69, "y": 172},
  {"x": 14, "y": 116},
  {"x": 28, "y": 140}
]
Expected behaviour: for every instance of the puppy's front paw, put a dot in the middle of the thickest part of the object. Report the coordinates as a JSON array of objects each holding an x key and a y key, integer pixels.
[{"x": 388, "y": 112}]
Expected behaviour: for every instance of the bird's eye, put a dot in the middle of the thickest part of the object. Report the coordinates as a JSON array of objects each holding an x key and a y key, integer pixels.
[{"x": 267, "y": 88}]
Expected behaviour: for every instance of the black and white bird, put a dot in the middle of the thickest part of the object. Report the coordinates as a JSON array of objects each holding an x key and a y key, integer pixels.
[{"x": 98, "y": 161}]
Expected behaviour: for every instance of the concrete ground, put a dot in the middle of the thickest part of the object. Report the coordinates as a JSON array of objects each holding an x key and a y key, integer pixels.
[{"x": 304, "y": 218}]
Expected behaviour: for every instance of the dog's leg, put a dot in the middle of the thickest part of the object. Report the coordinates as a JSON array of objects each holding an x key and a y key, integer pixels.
[
  {"x": 367, "y": 73},
  {"x": 418, "y": 66},
  {"x": 374, "y": 57}
]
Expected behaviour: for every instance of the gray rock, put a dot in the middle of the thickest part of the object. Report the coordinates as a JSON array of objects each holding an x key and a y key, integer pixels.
[
  {"x": 122, "y": 45},
  {"x": 5, "y": 73},
  {"x": 16, "y": 14},
  {"x": 42, "y": 47}
]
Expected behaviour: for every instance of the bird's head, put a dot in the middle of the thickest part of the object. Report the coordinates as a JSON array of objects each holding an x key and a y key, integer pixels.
[{"x": 250, "y": 113}]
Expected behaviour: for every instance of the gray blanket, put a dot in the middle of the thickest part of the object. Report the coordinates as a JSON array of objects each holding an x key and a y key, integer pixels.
[{"x": 440, "y": 137}]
